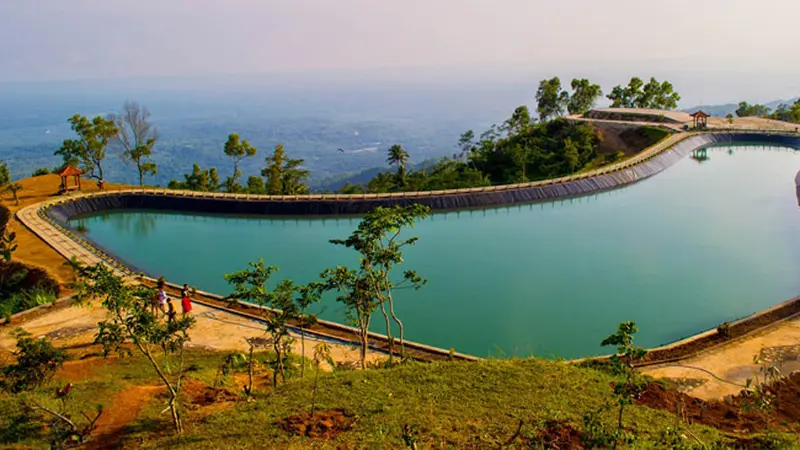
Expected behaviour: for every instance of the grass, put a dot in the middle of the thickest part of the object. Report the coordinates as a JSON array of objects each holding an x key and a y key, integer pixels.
[{"x": 450, "y": 404}]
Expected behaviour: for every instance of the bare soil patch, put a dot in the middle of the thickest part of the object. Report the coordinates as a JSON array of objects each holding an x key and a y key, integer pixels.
[
  {"x": 122, "y": 411},
  {"x": 319, "y": 425},
  {"x": 201, "y": 395},
  {"x": 558, "y": 435},
  {"x": 729, "y": 414}
]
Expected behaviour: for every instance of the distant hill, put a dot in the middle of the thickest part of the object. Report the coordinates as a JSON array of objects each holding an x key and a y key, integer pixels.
[{"x": 730, "y": 108}]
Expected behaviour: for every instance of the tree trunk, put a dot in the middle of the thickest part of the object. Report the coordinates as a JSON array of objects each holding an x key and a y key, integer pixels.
[
  {"x": 278, "y": 363},
  {"x": 303, "y": 352},
  {"x": 399, "y": 324},
  {"x": 388, "y": 332},
  {"x": 250, "y": 374},
  {"x": 364, "y": 338},
  {"x": 141, "y": 172}
]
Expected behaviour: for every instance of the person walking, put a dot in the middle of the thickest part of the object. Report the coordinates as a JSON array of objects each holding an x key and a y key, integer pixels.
[
  {"x": 161, "y": 297},
  {"x": 186, "y": 302},
  {"x": 170, "y": 311}
]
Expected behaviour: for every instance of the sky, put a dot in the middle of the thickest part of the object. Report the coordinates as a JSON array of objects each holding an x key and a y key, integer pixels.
[{"x": 750, "y": 44}]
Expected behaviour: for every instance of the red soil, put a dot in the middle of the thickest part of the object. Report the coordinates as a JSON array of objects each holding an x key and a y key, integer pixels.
[
  {"x": 729, "y": 415},
  {"x": 320, "y": 425}
]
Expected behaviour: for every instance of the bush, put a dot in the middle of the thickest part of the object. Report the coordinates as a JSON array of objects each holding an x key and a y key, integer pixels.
[
  {"x": 40, "y": 171},
  {"x": 23, "y": 287},
  {"x": 37, "y": 362}
]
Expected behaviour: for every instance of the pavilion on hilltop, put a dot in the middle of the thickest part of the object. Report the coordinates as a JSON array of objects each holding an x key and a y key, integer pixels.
[
  {"x": 699, "y": 119},
  {"x": 66, "y": 173}
]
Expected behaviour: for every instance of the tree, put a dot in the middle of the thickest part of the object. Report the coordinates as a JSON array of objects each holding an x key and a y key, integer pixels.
[
  {"x": 306, "y": 296},
  {"x": 237, "y": 150},
  {"x": 397, "y": 155},
  {"x": 5, "y": 177},
  {"x": 623, "y": 364},
  {"x": 284, "y": 175},
  {"x": 519, "y": 121},
  {"x": 747, "y": 110},
  {"x": 137, "y": 137},
  {"x": 131, "y": 320},
  {"x": 654, "y": 95},
  {"x": 250, "y": 286},
  {"x": 90, "y": 147},
  {"x": 466, "y": 144},
  {"x": 354, "y": 293},
  {"x": 199, "y": 180},
  {"x": 377, "y": 240},
  {"x": 14, "y": 188},
  {"x": 255, "y": 185},
  {"x": 36, "y": 362},
  {"x": 8, "y": 244},
  {"x": 584, "y": 96},
  {"x": 551, "y": 99},
  {"x": 788, "y": 113}
]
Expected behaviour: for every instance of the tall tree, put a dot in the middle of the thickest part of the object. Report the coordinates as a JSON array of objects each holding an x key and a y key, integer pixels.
[
  {"x": 584, "y": 96},
  {"x": 137, "y": 136},
  {"x": 397, "y": 155},
  {"x": 132, "y": 323},
  {"x": 90, "y": 147},
  {"x": 551, "y": 99},
  {"x": 377, "y": 240},
  {"x": 284, "y": 176},
  {"x": 237, "y": 149}
]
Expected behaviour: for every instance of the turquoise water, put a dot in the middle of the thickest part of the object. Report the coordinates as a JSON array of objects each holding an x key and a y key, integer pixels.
[{"x": 679, "y": 253}]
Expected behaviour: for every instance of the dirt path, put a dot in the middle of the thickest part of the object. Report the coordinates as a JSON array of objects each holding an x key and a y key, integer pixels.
[
  {"x": 725, "y": 370},
  {"x": 123, "y": 411},
  {"x": 76, "y": 326}
]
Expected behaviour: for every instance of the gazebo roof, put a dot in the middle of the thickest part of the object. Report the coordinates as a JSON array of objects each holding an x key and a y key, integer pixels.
[
  {"x": 699, "y": 113},
  {"x": 69, "y": 171}
]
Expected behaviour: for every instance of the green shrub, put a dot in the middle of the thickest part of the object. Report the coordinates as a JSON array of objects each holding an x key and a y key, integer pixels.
[
  {"x": 40, "y": 171},
  {"x": 37, "y": 362}
]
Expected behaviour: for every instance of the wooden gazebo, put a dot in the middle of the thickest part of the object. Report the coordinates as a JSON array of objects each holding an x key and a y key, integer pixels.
[
  {"x": 700, "y": 119},
  {"x": 65, "y": 174}
]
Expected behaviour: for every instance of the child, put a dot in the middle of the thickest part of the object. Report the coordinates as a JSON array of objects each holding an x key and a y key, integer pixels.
[
  {"x": 161, "y": 296},
  {"x": 186, "y": 302},
  {"x": 170, "y": 311}
]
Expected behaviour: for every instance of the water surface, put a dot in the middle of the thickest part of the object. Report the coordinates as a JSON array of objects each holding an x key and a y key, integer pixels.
[{"x": 679, "y": 253}]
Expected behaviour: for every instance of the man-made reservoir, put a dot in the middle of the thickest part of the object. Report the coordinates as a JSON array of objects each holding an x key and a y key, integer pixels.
[{"x": 679, "y": 253}]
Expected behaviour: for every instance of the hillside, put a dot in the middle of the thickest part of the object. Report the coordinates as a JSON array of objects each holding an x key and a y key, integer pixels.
[{"x": 521, "y": 403}]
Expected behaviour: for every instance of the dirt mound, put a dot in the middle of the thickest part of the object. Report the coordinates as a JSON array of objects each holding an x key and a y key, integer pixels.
[
  {"x": 559, "y": 436},
  {"x": 320, "y": 425},
  {"x": 729, "y": 415},
  {"x": 202, "y": 395}
]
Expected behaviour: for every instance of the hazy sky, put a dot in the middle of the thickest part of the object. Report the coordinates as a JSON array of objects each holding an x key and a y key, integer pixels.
[{"x": 59, "y": 39}]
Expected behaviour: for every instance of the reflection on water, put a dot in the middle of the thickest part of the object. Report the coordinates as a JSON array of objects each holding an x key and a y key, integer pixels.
[{"x": 141, "y": 224}]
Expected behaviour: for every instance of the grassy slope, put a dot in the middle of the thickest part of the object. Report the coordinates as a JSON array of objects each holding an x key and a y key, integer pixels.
[{"x": 453, "y": 404}]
